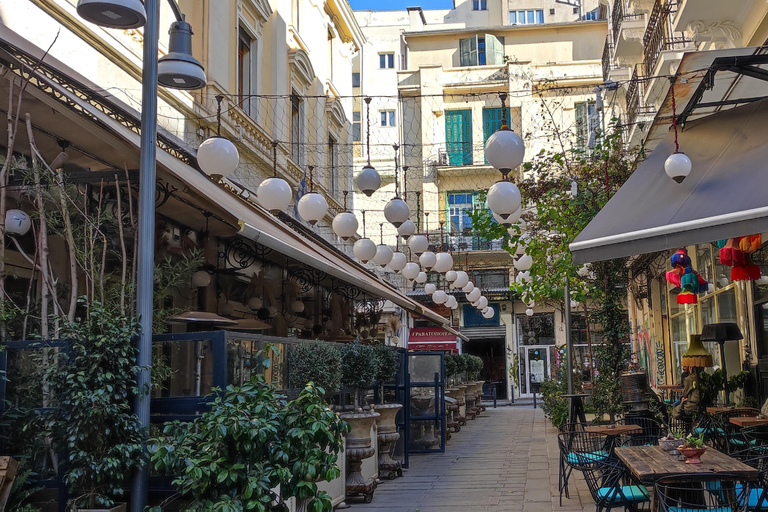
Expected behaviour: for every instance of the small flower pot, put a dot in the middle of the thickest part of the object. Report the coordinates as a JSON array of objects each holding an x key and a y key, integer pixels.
[{"x": 692, "y": 455}]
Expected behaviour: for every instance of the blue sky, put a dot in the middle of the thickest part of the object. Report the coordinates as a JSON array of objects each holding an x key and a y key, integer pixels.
[{"x": 399, "y": 5}]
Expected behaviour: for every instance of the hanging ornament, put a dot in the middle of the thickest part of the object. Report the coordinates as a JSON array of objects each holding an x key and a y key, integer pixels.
[
  {"x": 524, "y": 262},
  {"x": 312, "y": 207},
  {"x": 443, "y": 262},
  {"x": 468, "y": 287},
  {"x": 677, "y": 166},
  {"x": 418, "y": 244},
  {"x": 406, "y": 229},
  {"x": 451, "y": 275},
  {"x": 368, "y": 181},
  {"x": 503, "y": 198},
  {"x": 473, "y": 295},
  {"x": 411, "y": 270},
  {"x": 218, "y": 156},
  {"x": 396, "y": 211},
  {"x": 421, "y": 278},
  {"x": 364, "y": 249},
  {"x": 529, "y": 312},
  {"x": 451, "y": 301},
  {"x": 345, "y": 225},
  {"x": 439, "y": 297},
  {"x": 462, "y": 278},
  {"x": 398, "y": 261},
  {"x": 274, "y": 194},
  {"x": 430, "y": 288},
  {"x": 427, "y": 259},
  {"x": 683, "y": 276}
]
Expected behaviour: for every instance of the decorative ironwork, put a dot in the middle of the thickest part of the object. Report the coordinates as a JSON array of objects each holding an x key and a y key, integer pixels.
[
  {"x": 163, "y": 192},
  {"x": 349, "y": 291},
  {"x": 242, "y": 253},
  {"x": 660, "y": 36},
  {"x": 307, "y": 278},
  {"x": 373, "y": 305}
]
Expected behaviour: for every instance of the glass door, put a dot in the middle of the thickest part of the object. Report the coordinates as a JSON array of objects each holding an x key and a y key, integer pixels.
[
  {"x": 426, "y": 402},
  {"x": 536, "y": 367}
]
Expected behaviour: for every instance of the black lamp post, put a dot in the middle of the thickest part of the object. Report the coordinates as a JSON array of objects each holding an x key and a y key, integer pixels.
[{"x": 721, "y": 333}]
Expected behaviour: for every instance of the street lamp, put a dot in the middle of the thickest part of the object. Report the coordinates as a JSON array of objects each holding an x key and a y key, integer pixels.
[{"x": 181, "y": 71}]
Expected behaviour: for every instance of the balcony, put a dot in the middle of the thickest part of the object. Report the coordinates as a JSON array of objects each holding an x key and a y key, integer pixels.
[
  {"x": 660, "y": 36},
  {"x": 627, "y": 27},
  {"x": 637, "y": 111}
]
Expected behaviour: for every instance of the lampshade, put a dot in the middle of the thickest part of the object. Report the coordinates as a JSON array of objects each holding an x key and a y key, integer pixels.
[
  {"x": 512, "y": 219},
  {"x": 725, "y": 331},
  {"x": 439, "y": 297},
  {"x": 383, "y": 255},
  {"x": 406, "y": 229},
  {"x": 430, "y": 288},
  {"x": 489, "y": 313},
  {"x": 467, "y": 288},
  {"x": 473, "y": 295},
  {"x": 427, "y": 260},
  {"x": 524, "y": 262},
  {"x": 529, "y": 312},
  {"x": 123, "y": 14},
  {"x": 398, "y": 261},
  {"x": 345, "y": 225},
  {"x": 418, "y": 244},
  {"x": 255, "y": 303},
  {"x": 451, "y": 276},
  {"x": 396, "y": 211},
  {"x": 503, "y": 198},
  {"x": 368, "y": 181},
  {"x": 217, "y": 157},
  {"x": 462, "y": 278},
  {"x": 482, "y": 302},
  {"x": 696, "y": 355},
  {"x": 364, "y": 249},
  {"x": 411, "y": 270},
  {"x": 178, "y": 69},
  {"x": 443, "y": 263},
  {"x": 312, "y": 207},
  {"x": 421, "y": 278},
  {"x": 17, "y": 222},
  {"x": 274, "y": 194},
  {"x": 678, "y": 166},
  {"x": 201, "y": 278},
  {"x": 504, "y": 150}
]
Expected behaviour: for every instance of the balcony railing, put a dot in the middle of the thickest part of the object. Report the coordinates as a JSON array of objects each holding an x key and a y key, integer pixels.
[
  {"x": 635, "y": 104},
  {"x": 462, "y": 242},
  {"x": 618, "y": 15},
  {"x": 608, "y": 63},
  {"x": 659, "y": 35}
]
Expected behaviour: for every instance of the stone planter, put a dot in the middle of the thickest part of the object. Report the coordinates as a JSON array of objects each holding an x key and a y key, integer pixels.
[
  {"x": 461, "y": 401},
  {"x": 469, "y": 398},
  {"x": 452, "y": 412},
  {"x": 358, "y": 448},
  {"x": 387, "y": 436},
  {"x": 479, "y": 396}
]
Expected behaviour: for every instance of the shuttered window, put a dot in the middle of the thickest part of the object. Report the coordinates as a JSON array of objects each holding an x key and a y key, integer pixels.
[{"x": 458, "y": 136}]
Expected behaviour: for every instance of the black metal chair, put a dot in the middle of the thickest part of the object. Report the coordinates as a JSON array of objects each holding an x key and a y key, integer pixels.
[
  {"x": 611, "y": 485},
  {"x": 757, "y": 457},
  {"x": 649, "y": 436},
  {"x": 706, "y": 494},
  {"x": 756, "y": 437},
  {"x": 564, "y": 470},
  {"x": 734, "y": 439}
]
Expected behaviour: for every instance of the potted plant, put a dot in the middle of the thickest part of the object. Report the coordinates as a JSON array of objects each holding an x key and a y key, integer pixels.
[
  {"x": 316, "y": 362},
  {"x": 672, "y": 441},
  {"x": 451, "y": 365},
  {"x": 693, "y": 448},
  {"x": 387, "y": 434}
]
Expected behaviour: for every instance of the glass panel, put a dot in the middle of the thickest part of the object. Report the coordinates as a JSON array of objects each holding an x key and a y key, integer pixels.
[
  {"x": 512, "y": 17},
  {"x": 722, "y": 274},
  {"x": 536, "y": 330},
  {"x": 726, "y": 306},
  {"x": 521, "y": 377},
  {"x": 708, "y": 311},
  {"x": 704, "y": 261},
  {"x": 679, "y": 343},
  {"x": 425, "y": 435},
  {"x": 422, "y": 401},
  {"x": 423, "y": 367},
  {"x": 539, "y": 16},
  {"x": 529, "y": 17},
  {"x": 190, "y": 364},
  {"x": 538, "y": 367}
]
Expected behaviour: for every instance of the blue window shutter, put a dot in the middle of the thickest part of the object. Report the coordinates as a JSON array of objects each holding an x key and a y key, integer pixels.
[{"x": 458, "y": 136}]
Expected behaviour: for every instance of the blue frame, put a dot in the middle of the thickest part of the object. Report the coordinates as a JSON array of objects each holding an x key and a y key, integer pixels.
[{"x": 439, "y": 386}]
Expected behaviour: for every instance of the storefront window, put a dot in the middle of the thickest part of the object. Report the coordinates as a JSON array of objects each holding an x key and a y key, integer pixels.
[
  {"x": 679, "y": 345},
  {"x": 704, "y": 262},
  {"x": 722, "y": 273},
  {"x": 536, "y": 330},
  {"x": 726, "y": 306}
]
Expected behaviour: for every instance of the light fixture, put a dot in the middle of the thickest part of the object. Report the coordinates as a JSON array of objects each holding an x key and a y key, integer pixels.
[
  {"x": 507, "y": 223},
  {"x": 411, "y": 270},
  {"x": 383, "y": 255},
  {"x": 504, "y": 149},
  {"x": 255, "y": 303},
  {"x": 274, "y": 194},
  {"x": 678, "y": 166},
  {"x": 503, "y": 198},
  {"x": 723, "y": 281},
  {"x": 451, "y": 301},
  {"x": 201, "y": 278},
  {"x": 123, "y": 14},
  {"x": 473, "y": 295},
  {"x": 368, "y": 181},
  {"x": 297, "y": 306},
  {"x": 489, "y": 313},
  {"x": 427, "y": 259},
  {"x": 524, "y": 262},
  {"x": 462, "y": 278},
  {"x": 467, "y": 288},
  {"x": 364, "y": 249},
  {"x": 443, "y": 263},
  {"x": 574, "y": 304},
  {"x": 482, "y": 302},
  {"x": 406, "y": 229},
  {"x": 308, "y": 324},
  {"x": 430, "y": 288},
  {"x": 529, "y": 312},
  {"x": 17, "y": 222},
  {"x": 312, "y": 207},
  {"x": 421, "y": 278},
  {"x": 345, "y": 225},
  {"x": 439, "y": 297},
  {"x": 418, "y": 244},
  {"x": 711, "y": 287},
  {"x": 530, "y": 304},
  {"x": 451, "y": 275},
  {"x": 523, "y": 277},
  {"x": 398, "y": 261},
  {"x": 217, "y": 156},
  {"x": 227, "y": 309},
  {"x": 178, "y": 69},
  {"x": 396, "y": 211}
]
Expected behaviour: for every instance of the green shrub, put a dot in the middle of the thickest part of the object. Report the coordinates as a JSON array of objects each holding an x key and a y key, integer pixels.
[
  {"x": 316, "y": 362},
  {"x": 474, "y": 367},
  {"x": 388, "y": 363},
  {"x": 359, "y": 365},
  {"x": 451, "y": 364}
]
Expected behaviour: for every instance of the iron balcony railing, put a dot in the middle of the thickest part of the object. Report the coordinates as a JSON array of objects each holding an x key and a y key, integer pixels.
[
  {"x": 608, "y": 63},
  {"x": 618, "y": 15},
  {"x": 635, "y": 104},
  {"x": 659, "y": 35}
]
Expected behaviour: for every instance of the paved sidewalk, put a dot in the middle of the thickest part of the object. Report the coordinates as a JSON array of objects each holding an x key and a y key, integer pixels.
[{"x": 505, "y": 460}]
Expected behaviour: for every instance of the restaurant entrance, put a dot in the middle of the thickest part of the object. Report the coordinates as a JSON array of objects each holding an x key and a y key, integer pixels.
[{"x": 536, "y": 365}]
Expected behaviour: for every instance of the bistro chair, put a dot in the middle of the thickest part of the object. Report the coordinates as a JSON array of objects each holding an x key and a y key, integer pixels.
[
  {"x": 611, "y": 486},
  {"x": 734, "y": 438},
  {"x": 703, "y": 495},
  {"x": 755, "y": 456},
  {"x": 564, "y": 470},
  {"x": 714, "y": 433},
  {"x": 650, "y": 435},
  {"x": 756, "y": 437},
  {"x": 579, "y": 449}
]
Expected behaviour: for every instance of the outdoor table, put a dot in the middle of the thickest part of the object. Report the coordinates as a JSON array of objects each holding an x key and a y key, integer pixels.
[
  {"x": 576, "y": 410},
  {"x": 719, "y": 410},
  {"x": 617, "y": 430},
  {"x": 748, "y": 421}
]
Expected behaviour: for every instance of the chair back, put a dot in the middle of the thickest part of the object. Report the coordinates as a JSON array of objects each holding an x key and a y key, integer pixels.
[
  {"x": 582, "y": 449},
  {"x": 703, "y": 495},
  {"x": 757, "y": 436},
  {"x": 610, "y": 486},
  {"x": 649, "y": 436}
]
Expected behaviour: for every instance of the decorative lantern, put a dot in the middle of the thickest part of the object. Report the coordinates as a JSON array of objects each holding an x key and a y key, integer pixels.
[
  {"x": 696, "y": 355},
  {"x": 217, "y": 156},
  {"x": 504, "y": 198},
  {"x": 451, "y": 276},
  {"x": 297, "y": 306},
  {"x": 368, "y": 181},
  {"x": 254, "y": 303},
  {"x": 430, "y": 288},
  {"x": 312, "y": 207},
  {"x": 468, "y": 287},
  {"x": 383, "y": 255},
  {"x": 529, "y": 312},
  {"x": 489, "y": 313},
  {"x": 421, "y": 278},
  {"x": 201, "y": 278},
  {"x": 482, "y": 302},
  {"x": 345, "y": 225},
  {"x": 444, "y": 262},
  {"x": 462, "y": 278},
  {"x": 451, "y": 302},
  {"x": 364, "y": 249},
  {"x": 396, "y": 212},
  {"x": 17, "y": 222},
  {"x": 398, "y": 261},
  {"x": 406, "y": 229},
  {"x": 427, "y": 259},
  {"x": 411, "y": 270},
  {"x": 418, "y": 244},
  {"x": 439, "y": 297},
  {"x": 524, "y": 262},
  {"x": 473, "y": 295},
  {"x": 274, "y": 194}
]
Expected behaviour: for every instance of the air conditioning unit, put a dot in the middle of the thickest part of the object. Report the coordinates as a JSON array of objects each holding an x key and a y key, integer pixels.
[{"x": 442, "y": 158}]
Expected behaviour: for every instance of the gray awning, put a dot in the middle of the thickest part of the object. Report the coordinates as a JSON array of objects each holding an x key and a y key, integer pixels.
[{"x": 726, "y": 194}]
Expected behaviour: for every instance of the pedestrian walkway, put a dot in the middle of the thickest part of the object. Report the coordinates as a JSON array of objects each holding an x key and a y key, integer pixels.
[{"x": 506, "y": 459}]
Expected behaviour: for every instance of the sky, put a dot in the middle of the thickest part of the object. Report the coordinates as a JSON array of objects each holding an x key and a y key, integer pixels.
[{"x": 399, "y": 5}]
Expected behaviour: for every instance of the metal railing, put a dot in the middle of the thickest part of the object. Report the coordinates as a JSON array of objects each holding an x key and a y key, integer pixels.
[
  {"x": 659, "y": 35},
  {"x": 618, "y": 15},
  {"x": 634, "y": 98},
  {"x": 608, "y": 63}
]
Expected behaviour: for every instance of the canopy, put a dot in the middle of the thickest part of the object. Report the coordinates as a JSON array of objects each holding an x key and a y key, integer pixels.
[{"x": 725, "y": 195}]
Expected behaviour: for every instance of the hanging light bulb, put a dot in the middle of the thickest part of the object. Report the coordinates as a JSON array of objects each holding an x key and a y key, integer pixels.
[
  {"x": 312, "y": 207},
  {"x": 274, "y": 194},
  {"x": 723, "y": 281},
  {"x": 468, "y": 287},
  {"x": 297, "y": 306},
  {"x": 217, "y": 156},
  {"x": 430, "y": 288},
  {"x": 254, "y": 303},
  {"x": 462, "y": 278},
  {"x": 504, "y": 149},
  {"x": 421, "y": 278},
  {"x": 678, "y": 166},
  {"x": 524, "y": 262},
  {"x": 523, "y": 277},
  {"x": 406, "y": 229},
  {"x": 574, "y": 304},
  {"x": 368, "y": 181},
  {"x": 489, "y": 313},
  {"x": 474, "y": 294},
  {"x": 443, "y": 263},
  {"x": 503, "y": 198},
  {"x": 529, "y": 312},
  {"x": 383, "y": 255},
  {"x": 17, "y": 222},
  {"x": 345, "y": 225},
  {"x": 482, "y": 302},
  {"x": 418, "y": 244},
  {"x": 451, "y": 275},
  {"x": 411, "y": 270},
  {"x": 364, "y": 249},
  {"x": 439, "y": 297},
  {"x": 201, "y": 278},
  {"x": 396, "y": 212},
  {"x": 398, "y": 261},
  {"x": 427, "y": 259}
]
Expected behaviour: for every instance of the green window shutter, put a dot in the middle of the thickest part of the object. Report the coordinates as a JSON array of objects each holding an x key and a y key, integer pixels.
[
  {"x": 580, "y": 110},
  {"x": 494, "y": 50},
  {"x": 458, "y": 136},
  {"x": 493, "y": 119},
  {"x": 468, "y": 51}
]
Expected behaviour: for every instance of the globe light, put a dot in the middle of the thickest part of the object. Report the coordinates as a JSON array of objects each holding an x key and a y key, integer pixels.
[
  {"x": 418, "y": 244},
  {"x": 443, "y": 263},
  {"x": 530, "y": 304},
  {"x": 383, "y": 255},
  {"x": 451, "y": 275},
  {"x": 482, "y": 302},
  {"x": 430, "y": 288},
  {"x": 529, "y": 312},
  {"x": 297, "y": 306},
  {"x": 462, "y": 278},
  {"x": 421, "y": 278},
  {"x": 398, "y": 261},
  {"x": 515, "y": 217},
  {"x": 503, "y": 198},
  {"x": 711, "y": 287},
  {"x": 524, "y": 262},
  {"x": 406, "y": 229},
  {"x": 254, "y": 303},
  {"x": 218, "y": 157},
  {"x": 368, "y": 181},
  {"x": 411, "y": 270},
  {"x": 123, "y": 14},
  {"x": 504, "y": 150},
  {"x": 364, "y": 249},
  {"x": 468, "y": 287},
  {"x": 489, "y": 313},
  {"x": 308, "y": 324},
  {"x": 473, "y": 295},
  {"x": 678, "y": 166},
  {"x": 201, "y": 278},
  {"x": 17, "y": 222},
  {"x": 451, "y": 302},
  {"x": 274, "y": 194},
  {"x": 396, "y": 211},
  {"x": 345, "y": 225},
  {"x": 312, "y": 207},
  {"x": 523, "y": 277},
  {"x": 227, "y": 309},
  {"x": 507, "y": 223},
  {"x": 723, "y": 281},
  {"x": 427, "y": 260},
  {"x": 439, "y": 297},
  {"x": 328, "y": 325}
]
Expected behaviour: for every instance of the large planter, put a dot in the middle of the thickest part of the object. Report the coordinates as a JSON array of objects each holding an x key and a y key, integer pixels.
[
  {"x": 452, "y": 411},
  {"x": 387, "y": 436},
  {"x": 358, "y": 448},
  {"x": 461, "y": 401}
]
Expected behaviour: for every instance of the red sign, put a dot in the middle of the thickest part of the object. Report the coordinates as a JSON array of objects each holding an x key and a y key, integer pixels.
[{"x": 431, "y": 338}]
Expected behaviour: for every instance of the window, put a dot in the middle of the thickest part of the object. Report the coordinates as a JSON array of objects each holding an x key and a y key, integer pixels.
[
  {"x": 297, "y": 129},
  {"x": 355, "y": 79},
  {"x": 493, "y": 119},
  {"x": 481, "y": 50},
  {"x": 356, "y": 126},
  {"x": 586, "y": 124},
  {"x": 591, "y": 15},
  {"x": 458, "y": 136},
  {"x": 386, "y": 61},
  {"x": 575, "y": 10},
  {"x": 551, "y": 12},
  {"x": 530, "y": 17},
  {"x": 333, "y": 166},
  {"x": 246, "y": 69},
  {"x": 387, "y": 117},
  {"x": 479, "y": 5},
  {"x": 460, "y": 207}
]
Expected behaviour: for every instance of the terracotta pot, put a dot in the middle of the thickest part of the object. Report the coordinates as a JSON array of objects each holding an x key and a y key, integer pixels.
[
  {"x": 692, "y": 455},
  {"x": 358, "y": 448}
]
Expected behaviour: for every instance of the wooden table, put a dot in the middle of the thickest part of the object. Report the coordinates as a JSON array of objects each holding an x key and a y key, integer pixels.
[
  {"x": 748, "y": 421},
  {"x": 617, "y": 430},
  {"x": 720, "y": 410},
  {"x": 649, "y": 464}
]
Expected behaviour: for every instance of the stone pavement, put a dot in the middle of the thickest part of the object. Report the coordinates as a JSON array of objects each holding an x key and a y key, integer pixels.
[{"x": 505, "y": 460}]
